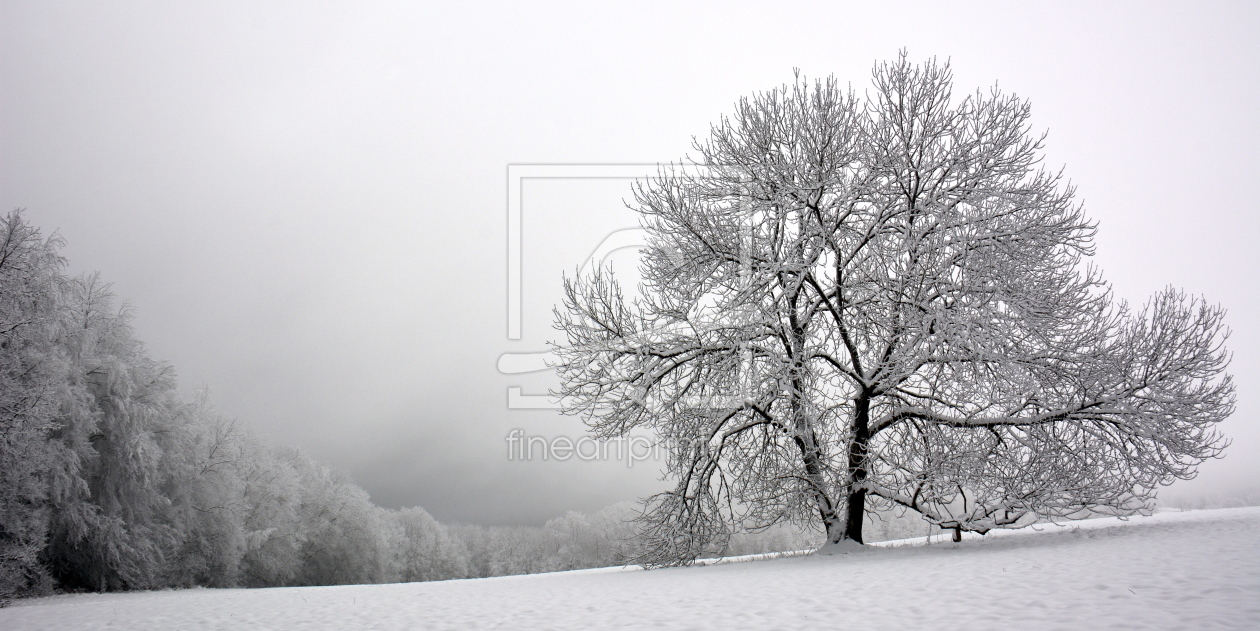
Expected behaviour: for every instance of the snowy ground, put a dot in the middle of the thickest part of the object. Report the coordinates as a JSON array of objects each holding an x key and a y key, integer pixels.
[{"x": 1190, "y": 570}]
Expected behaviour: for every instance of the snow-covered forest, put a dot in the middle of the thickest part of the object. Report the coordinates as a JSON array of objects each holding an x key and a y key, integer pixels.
[{"x": 113, "y": 481}]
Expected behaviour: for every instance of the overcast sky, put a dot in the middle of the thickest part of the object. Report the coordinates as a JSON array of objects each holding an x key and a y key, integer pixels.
[{"x": 306, "y": 204}]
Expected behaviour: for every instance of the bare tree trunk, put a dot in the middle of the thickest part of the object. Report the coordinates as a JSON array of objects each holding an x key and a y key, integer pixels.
[
  {"x": 856, "y": 505},
  {"x": 835, "y": 527},
  {"x": 832, "y": 524},
  {"x": 807, "y": 440}
]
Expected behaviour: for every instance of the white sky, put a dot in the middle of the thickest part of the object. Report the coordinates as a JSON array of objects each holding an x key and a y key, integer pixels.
[{"x": 306, "y": 203}]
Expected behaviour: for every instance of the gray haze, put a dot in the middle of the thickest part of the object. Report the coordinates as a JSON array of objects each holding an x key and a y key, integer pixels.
[{"x": 306, "y": 203}]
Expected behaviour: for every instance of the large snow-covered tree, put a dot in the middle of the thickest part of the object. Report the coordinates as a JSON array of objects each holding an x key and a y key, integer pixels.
[{"x": 852, "y": 303}]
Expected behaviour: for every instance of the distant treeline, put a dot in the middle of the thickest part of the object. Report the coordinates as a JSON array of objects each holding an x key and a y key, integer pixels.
[{"x": 110, "y": 480}]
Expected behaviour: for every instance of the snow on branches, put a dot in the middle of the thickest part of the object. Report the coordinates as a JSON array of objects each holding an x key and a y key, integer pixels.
[{"x": 886, "y": 299}]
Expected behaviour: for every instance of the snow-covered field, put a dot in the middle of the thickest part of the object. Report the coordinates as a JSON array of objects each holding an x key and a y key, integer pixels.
[{"x": 1190, "y": 570}]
